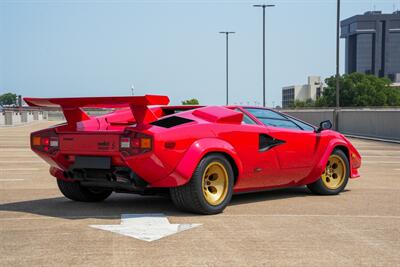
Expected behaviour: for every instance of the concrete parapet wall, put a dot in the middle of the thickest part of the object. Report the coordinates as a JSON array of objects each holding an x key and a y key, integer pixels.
[
  {"x": 2, "y": 118},
  {"x": 55, "y": 116},
  {"x": 11, "y": 117},
  {"x": 313, "y": 116},
  {"x": 382, "y": 123}
]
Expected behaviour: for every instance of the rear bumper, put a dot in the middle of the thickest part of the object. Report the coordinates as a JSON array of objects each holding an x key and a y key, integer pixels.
[{"x": 118, "y": 179}]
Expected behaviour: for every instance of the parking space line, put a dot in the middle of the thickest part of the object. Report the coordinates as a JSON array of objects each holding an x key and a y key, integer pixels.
[
  {"x": 33, "y": 156},
  {"x": 380, "y": 156},
  {"x": 381, "y": 162},
  {"x": 21, "y": 161},
  {"x": 94, "y": 216},
  {"x": 21, "y": 169},
  {"x": 377, "y": 150},
  {"x": 313, "y": 215},
  {"x": 10, "y": 180}
]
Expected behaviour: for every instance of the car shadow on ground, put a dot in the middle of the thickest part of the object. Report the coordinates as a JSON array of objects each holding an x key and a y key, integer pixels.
[{"x": 118, "y": 204}]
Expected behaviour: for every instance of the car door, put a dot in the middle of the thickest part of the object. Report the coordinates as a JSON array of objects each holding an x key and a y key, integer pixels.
[
  {"x": 260, "y": 164},
  {"x": 293, "y": 141}
]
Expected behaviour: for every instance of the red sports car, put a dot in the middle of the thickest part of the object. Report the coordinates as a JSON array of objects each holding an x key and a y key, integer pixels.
[{"x": 200, "y": 154}]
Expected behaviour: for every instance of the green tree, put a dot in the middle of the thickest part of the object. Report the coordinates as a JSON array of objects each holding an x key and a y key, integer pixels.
[
  {"x": 358, "y": 89},
  {"x": 8, "y": 99},
  {"x": 192, "y": 101}
]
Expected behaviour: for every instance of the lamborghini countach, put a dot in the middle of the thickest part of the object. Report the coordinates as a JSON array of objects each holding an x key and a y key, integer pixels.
[{"x": 200, "y": 155}]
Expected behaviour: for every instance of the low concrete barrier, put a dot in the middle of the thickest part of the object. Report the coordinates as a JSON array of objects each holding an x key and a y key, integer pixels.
[
  {"x": 26, "y": 116},
  {"x": 381, "y": 123},
  {"x": 57, "y": 115},
  {"x": 313, "y": 116},
  {"x": 17, "y": 116},
  {"x": 2, "y": 118}
]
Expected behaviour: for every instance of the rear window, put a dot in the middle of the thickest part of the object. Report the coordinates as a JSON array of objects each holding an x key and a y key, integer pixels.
[{"x": 171, "y": 122}]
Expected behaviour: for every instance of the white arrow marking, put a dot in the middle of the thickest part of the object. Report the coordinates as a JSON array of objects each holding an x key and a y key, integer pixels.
[{"x": 146, "y": 227}]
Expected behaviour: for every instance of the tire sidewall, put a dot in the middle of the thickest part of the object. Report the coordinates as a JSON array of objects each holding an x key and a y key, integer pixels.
[
  {"x": 198, "y": 177},
  {"x": 343, "y": 156}
]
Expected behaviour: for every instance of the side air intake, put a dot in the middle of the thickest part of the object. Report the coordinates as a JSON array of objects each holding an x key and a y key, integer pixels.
[{"x": 171, "y": 122}]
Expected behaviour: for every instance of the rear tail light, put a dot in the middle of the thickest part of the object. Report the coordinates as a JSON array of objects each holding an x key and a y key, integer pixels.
[
  {"x": 133, "y": 143},
  {"x": 45, "y": 141}
]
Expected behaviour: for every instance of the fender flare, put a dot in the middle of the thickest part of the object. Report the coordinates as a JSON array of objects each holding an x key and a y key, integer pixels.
[
  {"x": 319, "y": 167},
  {"x": 185, "y": 168}
]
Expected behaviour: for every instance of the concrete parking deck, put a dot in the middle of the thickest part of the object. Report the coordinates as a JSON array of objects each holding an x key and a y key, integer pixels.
[{"x": 361, "y": 226}]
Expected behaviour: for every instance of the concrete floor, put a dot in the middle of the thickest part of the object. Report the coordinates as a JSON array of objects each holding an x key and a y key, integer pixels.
[{"x": 361, "y": 226}]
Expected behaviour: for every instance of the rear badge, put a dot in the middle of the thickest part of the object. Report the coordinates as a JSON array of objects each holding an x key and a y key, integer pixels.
[{"x": 105, "y": 145}]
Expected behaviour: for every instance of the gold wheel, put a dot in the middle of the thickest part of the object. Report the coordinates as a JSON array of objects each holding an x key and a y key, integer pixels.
[
  {"x": 215, "y": 183},
  {"x": 334, "y": 174}
]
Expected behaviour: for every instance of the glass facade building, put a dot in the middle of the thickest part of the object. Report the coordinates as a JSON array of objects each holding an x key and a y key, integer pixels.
[{"x": 373, "y": 43}]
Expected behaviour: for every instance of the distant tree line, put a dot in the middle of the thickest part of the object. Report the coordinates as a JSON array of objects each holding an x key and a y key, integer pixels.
[
  {"x": 192, "y": 101},
  {"x": 356, "y": 90},
  {"x": 8, "y": 99}
]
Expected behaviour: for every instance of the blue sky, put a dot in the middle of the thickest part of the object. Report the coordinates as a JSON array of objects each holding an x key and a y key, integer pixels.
[{"x": 101, "y": 48}]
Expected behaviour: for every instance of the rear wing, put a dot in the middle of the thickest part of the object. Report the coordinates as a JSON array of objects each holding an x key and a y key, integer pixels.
[{"x": 72, "y": 107}]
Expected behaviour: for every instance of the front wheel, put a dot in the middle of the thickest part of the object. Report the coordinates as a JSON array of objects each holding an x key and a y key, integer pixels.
[
  {"x": 74, "y": 191},
  {"x": 335, "y": 176},
  {"x": 209, "y": 190}
]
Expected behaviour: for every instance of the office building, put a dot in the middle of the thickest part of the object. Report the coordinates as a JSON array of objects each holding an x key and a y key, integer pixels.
[
  {"x": 373, "y": 44},
  {"x": 312, "y": 90}
]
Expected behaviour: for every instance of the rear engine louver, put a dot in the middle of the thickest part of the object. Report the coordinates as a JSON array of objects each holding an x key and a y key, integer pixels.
[{"x": 171, "y": 122}]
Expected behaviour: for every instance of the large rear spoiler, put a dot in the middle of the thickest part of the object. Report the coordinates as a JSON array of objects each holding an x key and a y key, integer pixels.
[{"x": 72, "y": 107}]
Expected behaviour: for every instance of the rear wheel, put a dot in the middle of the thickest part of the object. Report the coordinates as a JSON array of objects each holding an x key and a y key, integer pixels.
[
  {"x": 74, "y": 191},
  {"x": 209, "y": 190},
  {"x": 335, "y": 176}
]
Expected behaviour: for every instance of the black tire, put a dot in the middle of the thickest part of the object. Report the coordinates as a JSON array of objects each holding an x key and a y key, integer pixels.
[
  {"x": 319, "y": 187},
  {"x": 76, "y": 192},
  {"x": 190, "y": 197}
]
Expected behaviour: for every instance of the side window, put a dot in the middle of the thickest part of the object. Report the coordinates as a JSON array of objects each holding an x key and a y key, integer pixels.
[
  {"x": 303, "y": 125},
  {"x": 265, "y": 113},
  {"x": 274, "y": 119},
  {"x": 246, "y": 118},
  {"x": 280, "y": 123}
]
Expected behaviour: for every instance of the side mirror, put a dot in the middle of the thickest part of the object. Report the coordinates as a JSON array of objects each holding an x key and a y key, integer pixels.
[{"x": 325, "y": 125}]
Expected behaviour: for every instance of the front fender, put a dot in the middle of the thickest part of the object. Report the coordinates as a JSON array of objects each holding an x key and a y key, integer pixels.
[
  {"x": 319, "y": 167},
  {"x": 185, "y": 168}
]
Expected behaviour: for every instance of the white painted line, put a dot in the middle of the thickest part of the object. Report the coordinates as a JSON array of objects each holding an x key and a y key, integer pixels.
[
  {"x": 99, "y": 216},
  {"x": 381, "y": 162},
  {"x": 20, "y": 150},
  {"x": 21, "y": 161},
  {"x": 313, "y": 215},
  {"x": 20, "y": 169},
  {"x": 397, "y": 169},
  {"x": 10, "y": 180},
  {"x": 373, "y": 138},
  {"x": 33, "y": 156},
  {"x": 380, "y": 156},
  {"x": 378, "y": 150},
  {"x": 11, "y": 140},
  {"x": 146, "y": 227}
]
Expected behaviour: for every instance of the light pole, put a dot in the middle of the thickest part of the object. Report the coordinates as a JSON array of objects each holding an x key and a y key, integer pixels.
[
  {"x": 227, "y": 65},
  {"x": 263, "y": 7},
  {"x": 337, "y": 65}
]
